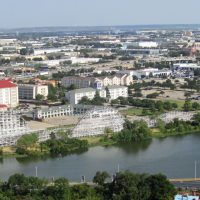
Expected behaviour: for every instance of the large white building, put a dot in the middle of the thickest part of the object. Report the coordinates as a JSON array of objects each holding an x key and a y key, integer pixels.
[
  {"x": 155, "y": 72},
  {"x": 28, "y": 91},
  {"x": 60, "y": 111},
  {"x": 74, "y": 96},
  {"x": 8, "y": 93},
  {"x": 112, "y": 92},
  {"x": 117, "y": 91}
]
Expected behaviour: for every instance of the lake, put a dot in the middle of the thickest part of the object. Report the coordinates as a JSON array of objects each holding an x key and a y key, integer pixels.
[{"x": 172, "y": 156}]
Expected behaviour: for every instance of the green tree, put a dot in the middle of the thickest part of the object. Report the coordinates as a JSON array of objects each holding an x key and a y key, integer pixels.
[
  {"x": 1, "y": 151},
  {"x": 40, "y": 97},
  {"x": 161, "y": 188},
  {"x": 187, "y": 105},
  {"x": 125, "y": 186},
  {"x": 161, "y": 125},
  {"x": 100, "y": 177},
  {"x": 97, "y": 100},
  {"x": 195, "y": 106},
  {"x": 60, "y": 190},
  {"x": 23, "y": 51},
  {"x": 28, "y": 140},
  {"x": 85, "y": 100},
  {"x": 52, "y": 93},
  {"x": 72, "y": 87}
]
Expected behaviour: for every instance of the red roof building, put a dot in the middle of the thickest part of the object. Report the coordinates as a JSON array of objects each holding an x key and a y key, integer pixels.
[
  {"x": 7, "y": 84},
  {"x": 8, "y": 93}
]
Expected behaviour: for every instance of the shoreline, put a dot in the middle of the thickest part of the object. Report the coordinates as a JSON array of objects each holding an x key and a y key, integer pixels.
[{"x": 92, "y": 142}]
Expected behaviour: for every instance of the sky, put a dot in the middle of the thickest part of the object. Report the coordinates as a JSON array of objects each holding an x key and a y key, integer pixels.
[{"x": 41, "y": 13}]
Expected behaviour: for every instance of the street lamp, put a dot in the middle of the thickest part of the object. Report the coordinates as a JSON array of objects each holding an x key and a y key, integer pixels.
[
  {"x": 195, "y": 169},
  {"x": 36, "y": 171}
]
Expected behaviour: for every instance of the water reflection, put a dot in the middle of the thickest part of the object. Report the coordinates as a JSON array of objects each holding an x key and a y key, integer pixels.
[
  {"x": 134, "y": 148},
  {"x": 27, "y": 160}
]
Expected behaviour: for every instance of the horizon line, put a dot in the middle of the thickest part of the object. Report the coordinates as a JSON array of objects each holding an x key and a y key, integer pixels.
[{"x": 90, "y": 26}]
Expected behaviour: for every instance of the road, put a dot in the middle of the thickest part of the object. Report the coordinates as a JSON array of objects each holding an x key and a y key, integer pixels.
[{"x": 187, "y": 184}]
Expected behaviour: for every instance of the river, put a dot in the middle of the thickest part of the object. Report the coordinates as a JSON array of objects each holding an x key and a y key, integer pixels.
[{"x": 172, "y": 156}]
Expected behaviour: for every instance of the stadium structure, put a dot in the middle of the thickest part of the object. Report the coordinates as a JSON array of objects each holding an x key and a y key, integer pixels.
[
  {"x": 12, "y": 126},
  {"x": 93, "y": 122},
  {"x": 96, "y": 120}
]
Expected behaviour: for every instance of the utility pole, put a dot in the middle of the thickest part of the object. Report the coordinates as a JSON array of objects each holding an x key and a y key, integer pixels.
[
  {"x": 195, "y": 169},
  {"x": 118, "y": 168}
]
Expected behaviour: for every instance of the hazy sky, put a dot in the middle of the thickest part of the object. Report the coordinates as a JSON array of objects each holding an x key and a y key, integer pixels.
[{"x": 36, "y": 13}]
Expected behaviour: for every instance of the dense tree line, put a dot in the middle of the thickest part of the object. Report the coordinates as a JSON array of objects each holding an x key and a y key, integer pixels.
[
  {"x": 153, "y": 95},
  {"x": 148, "y": 103},
  {"x": 180, "y": 126},
  {"x": 192, "y": 84},
  {"x": 60, "y": 74},
  {"x": 191, "y": 106},
  {"x": 124, "y": 186},
  {"x": 166, "y": 84},
  {"x": 59, "y": 144},
  {"x": 64, "y": 146}
]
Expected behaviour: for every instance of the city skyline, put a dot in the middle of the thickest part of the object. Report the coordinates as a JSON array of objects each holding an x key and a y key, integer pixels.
[{"x": 35, "y": 13}]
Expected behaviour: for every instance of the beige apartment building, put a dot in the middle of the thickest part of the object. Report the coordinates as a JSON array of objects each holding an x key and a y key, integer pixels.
[{"x": 97, "y": 82}]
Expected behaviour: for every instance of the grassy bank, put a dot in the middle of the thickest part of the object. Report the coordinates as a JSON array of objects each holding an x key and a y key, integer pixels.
[
  {"x": 100, "y": 141},
  {"x": 92, "y": 141},
  {"x": 157, "y": 134}
]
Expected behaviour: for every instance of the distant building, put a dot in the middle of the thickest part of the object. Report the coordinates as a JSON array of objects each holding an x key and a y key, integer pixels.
[
  {"x": 76, "y": 60},
  {"x": 142, "y": 44},
  {"x": 186, "y": 66},
  {"x": 97, "y": 82},
  {"x": 7, "y": 41},
  {"x": 161, "y": 73},
  {"x": 151, "y": 72},
  {"x": 77, "y": 81},
  {"x": 8, "y": 93},
  {"x": 28, "y": 91},
  {"x": 38, "y": 52}
]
